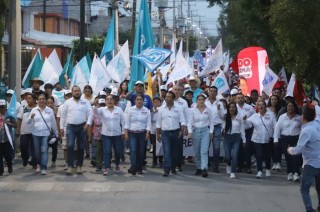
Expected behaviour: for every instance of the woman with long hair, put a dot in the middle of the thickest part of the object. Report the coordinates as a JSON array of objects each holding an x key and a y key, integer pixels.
[
  {"x": 233, "y": 133},
  {"x": 43, "y": 120},
  {"x": 287, "y": 131}
]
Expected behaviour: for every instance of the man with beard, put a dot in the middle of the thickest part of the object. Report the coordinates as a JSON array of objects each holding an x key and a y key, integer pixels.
[
  {"x": 35, "y": 85},
  {"x": 77, "y": 117}
]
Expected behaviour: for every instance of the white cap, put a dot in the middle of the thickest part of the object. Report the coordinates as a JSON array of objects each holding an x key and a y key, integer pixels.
[
  {"x": 10, "y": 91},
  {"x": 170, "y": 89},
  {"x": 139, "y": 83},
  {"x": 186, "y": 86},
  {"x": 163, "y": 87},
  {"x": 66, "y": 92},
  {"x": 234, "y": 91},
  {"x": 102, "y": 93},
  {"x": 101, "y": 101},
  {"x": 23, "y": 92},
  {"x": 114, "y": 92},
  {"x": 2, "y": 102},
  {"x": 28, "y": 90}
]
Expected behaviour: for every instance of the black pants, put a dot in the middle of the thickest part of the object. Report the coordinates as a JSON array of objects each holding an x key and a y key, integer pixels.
[
  {"x": 154, "y": 149},
  {"x": 54, "y": 151},
  {"x": 293, "y": 161},
  {"x": 6, "y": 153},
  {"x": 27, "y": 148},
  {"x": 262, "y": 151}
]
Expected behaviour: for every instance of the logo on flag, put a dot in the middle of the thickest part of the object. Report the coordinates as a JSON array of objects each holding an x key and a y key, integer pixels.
[
  {"x": 219, "y": 83},
  {"x": 268, "y": 78}
]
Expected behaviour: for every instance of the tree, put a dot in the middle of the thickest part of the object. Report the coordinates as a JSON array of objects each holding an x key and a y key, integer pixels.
[
  {"x": 3, "y": 12},
  {"x": 92, "y": 46}
]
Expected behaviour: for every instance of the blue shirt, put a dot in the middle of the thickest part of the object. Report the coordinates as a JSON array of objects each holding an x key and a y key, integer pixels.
[
  {"x": 195, "y": 94},
  {"x": 147, "y": 102},
  {"x": 309, "y": 144}
]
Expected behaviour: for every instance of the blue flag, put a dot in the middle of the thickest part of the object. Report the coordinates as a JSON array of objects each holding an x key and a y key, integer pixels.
[
  {"x": 33, "y": 70},
  {"x": 108, "y": 45},
  {"x": 143, "y": 39},
  {"x": 152, "y": 58},
  {"x": 12, "y": 111},
  {"x": 67, "y": 69}
]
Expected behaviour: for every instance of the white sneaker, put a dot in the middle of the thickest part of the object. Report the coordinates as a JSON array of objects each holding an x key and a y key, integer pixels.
[
  {"x": 290, "y": 177},
  {"x": 259, "y": 174},
  {"x": 38, "y": 168},
  {"x": 232, "y": 176},
  {"x": 296, "y": 177},
  {"x": 274, "y": 167},
  {"x": 228, "y": 169},
  {"x": 65, "y": 167},
  {"x": 127, "y": 150},
  {"x": 278, "y": 167},
  {"x": 43, "y": 172},
  {"x": 268, "y": 173}
]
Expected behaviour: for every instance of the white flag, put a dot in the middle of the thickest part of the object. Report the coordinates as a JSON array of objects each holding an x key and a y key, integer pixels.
[
  {"x": 221, "y": 83},
  {"x": 283, "y": 76},
  {"x": 270, "y": 78},
  {"x": 55, "y": 62},
  {"x": 164, "y": 71},
  {"x": 215, "y": 61},
  {"x": 181, "y": 69},
  {"x": 119, "y": 67},
  {"x": 48, "y": 74},
  {"x": 290, "y": 88},
  {"x": 226, "y": 60},
  {"x": 99, "y": 77},
  {"x": 79, "y": 77}
]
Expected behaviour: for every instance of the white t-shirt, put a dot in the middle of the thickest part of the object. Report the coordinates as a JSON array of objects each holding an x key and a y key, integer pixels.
[{"x": 24, "y": 113}]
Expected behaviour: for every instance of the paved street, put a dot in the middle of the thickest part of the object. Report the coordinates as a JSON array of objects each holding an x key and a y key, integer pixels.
[{"x": 27, "y": 191}]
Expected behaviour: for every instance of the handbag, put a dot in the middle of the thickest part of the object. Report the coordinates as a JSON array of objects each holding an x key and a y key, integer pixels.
[{"x": 52, "y": 138}]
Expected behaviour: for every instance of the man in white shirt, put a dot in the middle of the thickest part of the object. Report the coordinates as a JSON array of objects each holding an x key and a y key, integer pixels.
[
  {"x": 77, "y": 116},
  {"x": 245, "y": 153},
  {"x": 171, "y": 124},
  {"x": 215, "y": 107}
]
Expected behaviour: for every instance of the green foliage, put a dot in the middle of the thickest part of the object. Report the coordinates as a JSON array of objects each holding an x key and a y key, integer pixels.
[
  {"x": 192, "y": 44},
  {"x": 288, "y": 30},
  {"x": 3, "y": 10}
]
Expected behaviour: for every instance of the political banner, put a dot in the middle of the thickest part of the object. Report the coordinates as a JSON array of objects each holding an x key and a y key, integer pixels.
[
  {"x": 252, "y": 68},
  {"x": 221, "y": 83},
  {"x": 269, "y": 81},
  {"x": 214, "y": 62}
]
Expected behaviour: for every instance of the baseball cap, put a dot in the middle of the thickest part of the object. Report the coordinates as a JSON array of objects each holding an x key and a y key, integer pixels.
[
  {"x": 234, "y": 91},
  {"x": 101, "y": 101},
  {"x": 66, "y": 92},
  {"x": 139, "y": 83},
  {"x": 163, "y": 87},
  {"x": 3, "y": 102},
  {"x": 10, "y": 91}
]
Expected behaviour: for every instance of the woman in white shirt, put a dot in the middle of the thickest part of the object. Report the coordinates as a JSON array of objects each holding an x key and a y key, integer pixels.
[
  {"x": 263, "y": 123},
  {"x": 233, "y": 133},
  {"x": 200, "y": 128},
  {"x": 137, "y": 131},
  {"x": 43, "y": 120},
  {"x": 286, "y": 133},
  {"x": 112, "y": 119}
]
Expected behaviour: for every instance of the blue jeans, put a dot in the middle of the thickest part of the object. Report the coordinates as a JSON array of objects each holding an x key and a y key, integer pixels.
[
  {"x": 169, "y": 142},
  {"x": 137, "y": 142},
  {"x": 75, "y": 133},
  {"x": 108, "y": 142},
  {"x": 200, "y": 140},
  {"x": 231, "y": 145},
  {"x": 216, "y": 145},
  {"x": 309, "y": 174},
  {"x": 41, "y": 150}
]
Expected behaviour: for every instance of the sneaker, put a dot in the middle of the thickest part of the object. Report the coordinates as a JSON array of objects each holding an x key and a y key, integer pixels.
[
  {"x": 43, "y": 172},
  {"x": 274, "y": 167},
  {"x": 296, "y": 177},
  {"x": 78, "y": 170},
  {"x": 198, "y": 172},
  {"x": 259, "y": 174},
  {"x": 268, "y": 173},
  {"x": 179, "y": 169},
  {"x": 128, "y": 151},
  {"x": 65, "y": 167},
  {"x": 165, "y": 174},
  {"x": 98, "y": 168},
  {"x": 232, "y": 176},
  {"x": 117, "y": 168},
  {"x": 106, "y": 172},
  {"x": 228, "y": 169},
  {"x": 53, "y": 164},
  {"x": 290, "y": 177},
  {"x": 69, "y": 171},
  {"x": 38, "y": 169},
  {"x": 204, "y": 173},
  {"x": 10, "y": 169},
  {"x": 278, "y": 167},
  {"x": 151, "y": 148}
]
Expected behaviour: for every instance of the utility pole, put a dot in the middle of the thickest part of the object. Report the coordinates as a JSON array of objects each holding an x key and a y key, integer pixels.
[
  {"x": 116, "y": 25},
  {"x": 188, "y": 26},
  {"x": 174, "y": 26},
  {"x": 44, "y": 15},
  {"x": 14, "y": 71},
  {"x": 162, "y": 25},
  {"x": 82, "y": 27},
  {"x": 133, "y": 23}
]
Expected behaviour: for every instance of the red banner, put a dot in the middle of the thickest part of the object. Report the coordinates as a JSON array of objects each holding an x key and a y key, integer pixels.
[{"x": 251, "y": 63}]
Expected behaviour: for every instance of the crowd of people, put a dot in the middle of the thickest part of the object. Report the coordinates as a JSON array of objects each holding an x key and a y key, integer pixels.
[{"x": 105, "y": 126}]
